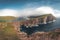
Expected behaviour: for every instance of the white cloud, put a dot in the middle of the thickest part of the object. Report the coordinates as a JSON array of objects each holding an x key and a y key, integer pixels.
[
  {"x": 57, "y": 13},
  {"x": 45, "y": 10},
  {"x": 8, "y": 12},
  {"x": 29, "y": 11},
  {"x": 36, "y": 11}
]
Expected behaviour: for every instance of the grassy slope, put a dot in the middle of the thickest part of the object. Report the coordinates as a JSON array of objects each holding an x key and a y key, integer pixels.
[
  {"x": 7, "y": 18},
  {"x": 7, "y": 31}
]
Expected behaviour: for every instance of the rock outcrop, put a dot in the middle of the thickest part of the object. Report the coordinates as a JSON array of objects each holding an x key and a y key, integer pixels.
[
  {"x": 37, "y": 20},
  {"x": 13, "y": 32},
  {"x": 32, "y": 21}
]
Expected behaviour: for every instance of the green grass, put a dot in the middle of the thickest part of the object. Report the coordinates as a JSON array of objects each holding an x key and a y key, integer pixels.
[
  {"x": 8, "y": 32},
  {"x": 7, "y": 18}
]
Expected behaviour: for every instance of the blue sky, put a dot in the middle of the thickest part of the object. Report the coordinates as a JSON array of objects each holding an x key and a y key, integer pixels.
[
  {"x": 20, "y": 4},
  {"x": 13, "y": 6}
]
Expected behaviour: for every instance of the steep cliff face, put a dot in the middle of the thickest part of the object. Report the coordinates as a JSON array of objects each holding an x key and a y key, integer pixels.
[
  {"x": 50, "y": 18},
  {"x": 7, "y": 32},
  {"x": 37, "y": 20},
  {"x": 11, "y": 30},
  {"x": 33, "y": 21}
]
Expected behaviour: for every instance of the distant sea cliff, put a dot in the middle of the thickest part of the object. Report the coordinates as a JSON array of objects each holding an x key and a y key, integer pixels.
[{"x": 37, "y": 20}]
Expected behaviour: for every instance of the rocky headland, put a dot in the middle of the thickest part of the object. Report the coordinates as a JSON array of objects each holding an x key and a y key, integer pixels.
[
  {"x": 10, "y": 30},
  {"x": 31, "y": 21}
]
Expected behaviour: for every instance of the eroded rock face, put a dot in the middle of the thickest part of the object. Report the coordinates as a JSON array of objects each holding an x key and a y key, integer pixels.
[
  {"x": 37, "y": 20},
  {"x": 33, "y": 20},
  {"x": 30, "y": 23},
  {"x": 14, "y": 32},
  {"x": 52, "y": 35}
]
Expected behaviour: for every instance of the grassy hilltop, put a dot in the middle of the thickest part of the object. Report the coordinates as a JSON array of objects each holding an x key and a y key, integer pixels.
[{"x": 6, "y": 18}]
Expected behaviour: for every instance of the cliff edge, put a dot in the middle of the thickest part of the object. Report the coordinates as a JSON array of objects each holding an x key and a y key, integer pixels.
[{"x": 38, "y": 20}]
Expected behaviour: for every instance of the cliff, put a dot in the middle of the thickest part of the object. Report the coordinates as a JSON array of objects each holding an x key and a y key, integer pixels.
[
  {"x": 11, "y": 30},
  {"x": 26, "y": 24},
  {"x": 51, "y": 35},
  {"x": 7, "y": 32},
  {"x": 37, "y": 20}
]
